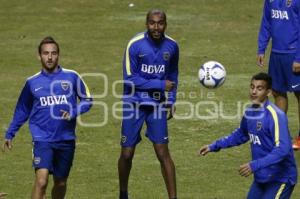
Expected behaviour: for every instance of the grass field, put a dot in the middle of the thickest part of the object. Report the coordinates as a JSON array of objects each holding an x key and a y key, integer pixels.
[{"x": 92, "y": 36}]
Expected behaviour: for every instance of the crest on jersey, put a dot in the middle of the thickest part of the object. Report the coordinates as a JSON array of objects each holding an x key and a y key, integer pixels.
[
  {"x": 166, "y": 56},
  {"x": 65, "y": 85},
  {"x": 123, "y": 139},
  {"x": 37, "y": 160},
  {"x": 288, "y": 3},
  {"x": 258, "y": 125}
]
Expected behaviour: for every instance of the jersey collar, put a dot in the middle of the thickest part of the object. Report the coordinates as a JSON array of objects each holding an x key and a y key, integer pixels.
[{"x": 58, "y": 70}]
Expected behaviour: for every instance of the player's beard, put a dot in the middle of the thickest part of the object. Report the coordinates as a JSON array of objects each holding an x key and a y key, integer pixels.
[
  {"x": 50, "y": 65},
  {"x": 156, "y": 35}
]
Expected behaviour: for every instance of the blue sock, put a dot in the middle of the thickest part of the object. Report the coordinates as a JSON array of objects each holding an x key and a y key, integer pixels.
[{"x": 123, "y": 194}]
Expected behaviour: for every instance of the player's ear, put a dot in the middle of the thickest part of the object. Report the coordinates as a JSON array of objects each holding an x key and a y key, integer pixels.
[
  {"x": 39, "y": 56},
  {"x": 269, "y": 92}
]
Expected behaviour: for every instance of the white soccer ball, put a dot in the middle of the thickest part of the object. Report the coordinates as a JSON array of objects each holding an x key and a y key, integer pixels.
[{"x": 212, "y": 74}]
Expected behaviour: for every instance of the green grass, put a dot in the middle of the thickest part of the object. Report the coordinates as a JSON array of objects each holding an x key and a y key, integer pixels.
[{"x": 92, "y": 36}]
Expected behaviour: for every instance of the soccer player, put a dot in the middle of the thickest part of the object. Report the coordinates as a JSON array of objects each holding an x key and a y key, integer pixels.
[
  {"x": 266, "y": 127},
  {"x": 150, "y": 68},
  {"x": 49, "y": 101},
  {"x": 280, "y": 22}
]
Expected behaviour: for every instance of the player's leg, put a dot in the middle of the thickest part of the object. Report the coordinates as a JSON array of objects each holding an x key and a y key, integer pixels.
[
  {"x": 42, "y": 162},
  {"x": 278, "y": 70},
  {"x": 293, "y": 84},
  {"x": 40, "y": 184},
  {"x": 167, "y": 168},
  {"x": 255, "y": 191},
  {"x": 124, "y": 168},
  {"x": 296, "y": 144},
  {"x": 281, "y": 100},
  {"x": 133, "y": 119},
  {"x": 278, "y": 190},
  {"x": 62, "y": 162},
  {"x": 59, "y": 188},
  {"x": 157, "y": 132}
]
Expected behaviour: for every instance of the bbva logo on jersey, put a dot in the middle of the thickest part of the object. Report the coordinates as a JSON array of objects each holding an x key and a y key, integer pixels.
[
  {"x": 153, "y": 68},
  {"x": 53, "y": 100},
  {"x": 280, "y": 14},
  {"x": 254, "y": 139}
]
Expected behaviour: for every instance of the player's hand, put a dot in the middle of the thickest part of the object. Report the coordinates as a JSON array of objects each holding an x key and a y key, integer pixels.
[
  {"x": 296, "y": 67},
  {"x": 7, "y": 145},
  {"x": 65, "y": 115},
  {"x": 2, "y": 195},
  {"x": 169, "y": 85},
  {"x": 171, "y": 112},
  {"x": 204, "y": 150},
  {"x": 260, "y": 60},
  {"x": 245, "y": 170}
]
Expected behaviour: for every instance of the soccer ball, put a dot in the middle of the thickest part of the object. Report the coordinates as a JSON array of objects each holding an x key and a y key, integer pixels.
[{"x": 212, "y": 74}]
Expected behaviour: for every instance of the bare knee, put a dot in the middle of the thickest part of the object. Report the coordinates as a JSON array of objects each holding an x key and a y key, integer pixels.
[
  {"x": 60, "y": 183},
  {"x": 41, "y": 183},
  {"x": 127, "y": 154},
  {"x": 164, "y": 157},
  {"x": 162, "y": 153},
  {"x": 277, "y": 94}
]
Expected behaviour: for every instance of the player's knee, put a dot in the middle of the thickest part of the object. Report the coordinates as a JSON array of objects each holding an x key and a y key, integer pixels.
[
  {"x": 126, "y": 156},
  {"x": 163, "y": 156},
  {"x": 277, "y": 94},
  {"x": 60, "y": 183},
  {"x": 41, "y": 183}
]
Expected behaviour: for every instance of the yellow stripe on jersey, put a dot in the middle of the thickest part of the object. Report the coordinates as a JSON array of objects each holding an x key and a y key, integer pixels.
[
  {"x": 170, "y": 38},
  {"x": 87, "y": 90},
  {"x": 280, "y": 191},
  {"x": 33, "y": 76},
  {"x": 275, "y": 118},
  {"x": 127, "y": 52}
]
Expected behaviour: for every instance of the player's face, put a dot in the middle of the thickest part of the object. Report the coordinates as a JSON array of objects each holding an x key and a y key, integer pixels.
[
  {"x": 259, "y": 91},
  {"x": 49, "y": 57},
  {"x": 156, "y": 26}
]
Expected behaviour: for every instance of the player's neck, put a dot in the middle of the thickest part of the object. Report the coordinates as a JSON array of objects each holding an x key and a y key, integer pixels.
[
  {"x": 259, "y": 104},
  {"x": 51, "y": 70}
]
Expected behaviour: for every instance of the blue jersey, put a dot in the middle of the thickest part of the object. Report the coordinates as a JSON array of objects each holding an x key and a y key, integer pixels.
[
  {"x": 271, "y": 147},
  {"x": 146, "y": 66},
  {"x": 42, "y": 100},
  {"x": 281, "y": 22}
]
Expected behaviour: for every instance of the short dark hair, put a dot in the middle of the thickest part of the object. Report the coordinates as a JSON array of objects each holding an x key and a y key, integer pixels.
[
  {"x": 48, "y": 40},
  {"x": 154, "y": 12},
  {"x": 265, "y": 77}
]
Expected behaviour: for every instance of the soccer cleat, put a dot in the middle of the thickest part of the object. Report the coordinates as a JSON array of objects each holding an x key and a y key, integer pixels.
[{"x": 296, "y": 145}]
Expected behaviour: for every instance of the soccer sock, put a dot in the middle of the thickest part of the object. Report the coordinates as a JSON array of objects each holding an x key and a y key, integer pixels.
[{"x": 123, "y": 194}]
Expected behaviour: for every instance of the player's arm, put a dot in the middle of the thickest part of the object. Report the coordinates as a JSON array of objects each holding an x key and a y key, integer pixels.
[
  {"x": 132, "y": 76},
  {"x": 264, "y": 34},
  {"x": 85, "y": 100},
  {"x": 21, "y": 114},
  {"x": 237, "y": 137},
  {"x": 280, "y": 133},
  {"x": 173, "y": 75}
]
